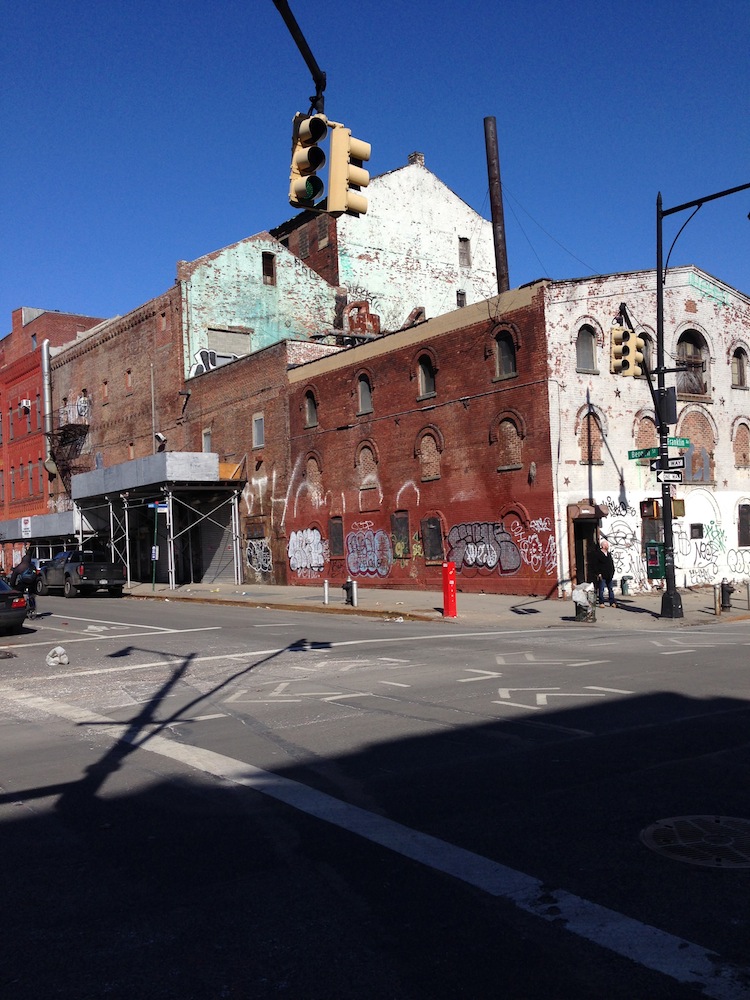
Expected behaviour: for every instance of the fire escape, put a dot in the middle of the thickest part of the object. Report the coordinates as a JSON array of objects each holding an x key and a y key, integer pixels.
[{"x": 67, "y": 441}]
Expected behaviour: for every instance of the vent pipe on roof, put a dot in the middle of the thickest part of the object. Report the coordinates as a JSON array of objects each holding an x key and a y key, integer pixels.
[{"x": 496, "y": 204}]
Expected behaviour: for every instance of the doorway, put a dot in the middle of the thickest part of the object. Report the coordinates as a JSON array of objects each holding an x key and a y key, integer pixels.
[{"x": 585, "y": 541}]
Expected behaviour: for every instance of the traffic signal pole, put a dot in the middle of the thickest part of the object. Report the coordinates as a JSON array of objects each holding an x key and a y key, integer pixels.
[
  {"x": 317, "y": 101},
  {"x": 671, "y": 602},
  {"x": 671, "y": 605}
]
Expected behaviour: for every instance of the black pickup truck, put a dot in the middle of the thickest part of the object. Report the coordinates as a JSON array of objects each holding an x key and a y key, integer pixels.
[{"x": 81, "y": 571}]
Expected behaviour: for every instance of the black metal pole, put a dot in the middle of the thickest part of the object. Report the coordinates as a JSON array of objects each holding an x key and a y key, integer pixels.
[
  {"x": 671, "y": 605},
  {"x": 671, "y": 602},
  {"x": 319, "y": 78},
  {"x": 496, "y": 204}
]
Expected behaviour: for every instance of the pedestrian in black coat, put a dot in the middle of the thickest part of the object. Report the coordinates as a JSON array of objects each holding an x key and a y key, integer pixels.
[{"x": 604, "y": 568}]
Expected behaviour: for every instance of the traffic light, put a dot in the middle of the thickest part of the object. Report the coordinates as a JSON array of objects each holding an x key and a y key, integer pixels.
[
  {"x": 650, "y": 509},
  {"x": 632, "y": 353},
  {"x": 345, "y": 173},
  {"x": 615, "y": 350},
  {"x": 305, "y": 188}
]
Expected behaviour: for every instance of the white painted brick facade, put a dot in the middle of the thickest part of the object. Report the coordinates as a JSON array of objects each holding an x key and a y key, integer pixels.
[
  {"x": 693, "y": 300},
  {"x": 404, "y": 252}
]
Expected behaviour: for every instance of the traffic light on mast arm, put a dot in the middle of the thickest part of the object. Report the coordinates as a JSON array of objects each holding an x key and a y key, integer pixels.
[
  {"x": 305, "y": 187},
  {"x": 615, "y": 350},
  {"x": 632, "y": 353},
  {"x": 345, "y": 173}
]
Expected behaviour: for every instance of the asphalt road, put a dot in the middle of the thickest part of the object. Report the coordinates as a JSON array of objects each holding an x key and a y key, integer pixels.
[{"x": 211, "y": 802}]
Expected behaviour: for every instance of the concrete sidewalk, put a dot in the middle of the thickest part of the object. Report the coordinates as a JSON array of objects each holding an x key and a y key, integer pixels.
[{"x": 482, "y": 610}]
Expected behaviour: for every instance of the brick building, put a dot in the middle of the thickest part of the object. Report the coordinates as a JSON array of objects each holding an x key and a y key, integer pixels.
[
  {"x": 597, "y": 417},
  {"x": 24, "y": 480},
  {"x": 419, "y": 252},
  {"x": 498, "y": 437},
  {"x": 428, "y": 444}
]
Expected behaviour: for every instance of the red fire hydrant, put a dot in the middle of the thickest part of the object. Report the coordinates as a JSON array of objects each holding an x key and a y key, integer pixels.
[{"x": 449, "y": 590}]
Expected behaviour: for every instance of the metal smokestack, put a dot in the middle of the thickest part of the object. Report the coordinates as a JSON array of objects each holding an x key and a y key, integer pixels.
[{"x": 496, "y": 205}]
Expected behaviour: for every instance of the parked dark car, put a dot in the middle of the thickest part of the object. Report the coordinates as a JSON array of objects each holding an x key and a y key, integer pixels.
[{"x": 13, "y": 608}]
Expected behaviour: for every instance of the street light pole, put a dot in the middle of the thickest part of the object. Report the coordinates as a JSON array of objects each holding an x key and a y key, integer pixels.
[{"x": 671, "y": 605}]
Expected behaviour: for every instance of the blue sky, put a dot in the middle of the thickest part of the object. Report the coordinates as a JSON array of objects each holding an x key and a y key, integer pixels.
[{"x": 141, "y": 133}]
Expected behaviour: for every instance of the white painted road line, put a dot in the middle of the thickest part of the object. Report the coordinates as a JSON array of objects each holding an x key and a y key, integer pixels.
[{"x": 648, "y": 946}]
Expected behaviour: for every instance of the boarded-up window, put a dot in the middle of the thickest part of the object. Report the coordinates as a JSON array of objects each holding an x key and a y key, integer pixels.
[
  {"x": 269, "y": 268},
  {"x": 646, "y": 436},
  {"x": 314, "y": 478},
  {"x": 509, "y": 446},
  {"x": 693, "y": 358},
  {"x": 336, "y": 537},
  {"x": 590, "y": 440},
  {"x": 369, "y": 488},
  {"x": 741, "y": 445},
  {"x": 429, "y": 458},
  {"x": 432, "y": 539},
  {"x": 400, "y": 533},
  {"x": 744, "y": 525}
]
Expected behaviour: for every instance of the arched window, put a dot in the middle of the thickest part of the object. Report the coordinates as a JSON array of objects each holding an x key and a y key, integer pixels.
[
  {"x": 426, "y": 376},
  {"x": 509, "y": 444},
  {"x": 311, "y": 409},
  {"x": 739, "y": 369},
  {"x": 429, "y": 458},
  {"x": 314, "y": 479},
  {"x": 692, "y": 353},
  {"x": 367, "y": 473},
  {"x": 586, "y": 350},
  {"x": 646, "y": 436},
  {"x": 699, "y": 459},
  {"x": 364, "y": 395},
  {"x": 590, "y": 440},
  {"x": 505, "y": 355},
  {"x": 741, "y": 446}
]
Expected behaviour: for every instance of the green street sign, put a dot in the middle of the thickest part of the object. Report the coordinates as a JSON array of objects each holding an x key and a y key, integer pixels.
[
  {"x": 644, "y": 453},
  {"x": 678, "y": 442}
]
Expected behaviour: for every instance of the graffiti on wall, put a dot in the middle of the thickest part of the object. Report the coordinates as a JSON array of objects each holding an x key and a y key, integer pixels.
[
  {"x": 258, "y": 555},
  {"x": 620, "y": 508},
  {"x": 487, "y": 546},
  {"x": 738, "y": 561},
  {"x": 626, "y": 551},
  {"x": 307, "y": 552},
  {"x": 699, "y": 557},
  {"x": 368, "y": 552}
]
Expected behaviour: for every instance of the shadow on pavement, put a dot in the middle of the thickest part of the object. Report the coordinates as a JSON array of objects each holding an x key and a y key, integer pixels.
[{"x": 200, "y": 889}]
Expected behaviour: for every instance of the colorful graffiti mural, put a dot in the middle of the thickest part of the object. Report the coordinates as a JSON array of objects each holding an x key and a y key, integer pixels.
[
  {"x": 487, "y": 546},
  {"x": 368, "y": 552}
]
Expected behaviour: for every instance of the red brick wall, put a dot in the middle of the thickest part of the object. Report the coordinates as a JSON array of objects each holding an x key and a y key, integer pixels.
[
  {"x": 313, "y": 238},
  {"x": 23, "y": 442},
  {"x": 115, "y": 365},
  {"x": 498, "y": 526}
]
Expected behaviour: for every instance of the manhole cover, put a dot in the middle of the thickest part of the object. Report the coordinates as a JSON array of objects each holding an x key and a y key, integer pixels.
[{"x": 711, "y": 841}]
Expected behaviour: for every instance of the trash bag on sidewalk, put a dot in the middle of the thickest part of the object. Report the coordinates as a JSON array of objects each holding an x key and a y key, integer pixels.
[{"x": 584, "y": 598}]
